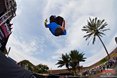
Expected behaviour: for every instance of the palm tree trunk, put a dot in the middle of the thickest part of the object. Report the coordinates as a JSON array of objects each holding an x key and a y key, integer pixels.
[
  {"x": 68, "y": 69},
  {"x": 104, "y": 47}
]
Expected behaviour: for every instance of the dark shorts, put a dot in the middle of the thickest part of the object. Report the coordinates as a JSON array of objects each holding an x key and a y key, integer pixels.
[{"x": 59, "y": 20}]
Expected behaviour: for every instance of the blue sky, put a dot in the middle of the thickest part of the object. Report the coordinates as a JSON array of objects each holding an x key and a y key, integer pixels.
[{"x": 32, "y": 41}]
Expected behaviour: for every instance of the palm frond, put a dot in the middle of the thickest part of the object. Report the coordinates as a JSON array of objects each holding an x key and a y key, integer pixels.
[
  {"x": 60, "y": 63},
  {"x": 90, "y": 19},
  {"x": 95, "y": 21},
  {"x": 98, "y": 23},
  {"x": 101, "y": 34},
  {"x": 102, "y": 21},
  {"x": 94, "y": 27},
  {"x": 85, "y": 28},
  {"x": 88, "y": 36},
  {"x": 103, "y": 26},
  {"x": 104, "y": 30},
  {"x": 94, "y": 38},
  {"x": 89, "y": 23}
]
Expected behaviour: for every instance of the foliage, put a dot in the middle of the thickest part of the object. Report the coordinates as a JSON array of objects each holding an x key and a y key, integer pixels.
[
  {"x": 37, "y": 69},
  {"x": 75, "y": 59},
  {"x": 71, "y": 60},
  {"x": 42, "y": 68},
  {"x": 95, "y": 28},
  {"x": 27, "y": 65},
  {"x": 64, "y": 61},
  {"x": 102, "y": 61}
]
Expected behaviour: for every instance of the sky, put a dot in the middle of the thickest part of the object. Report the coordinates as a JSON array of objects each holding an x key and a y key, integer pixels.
[{"x": 32, "y": 41}]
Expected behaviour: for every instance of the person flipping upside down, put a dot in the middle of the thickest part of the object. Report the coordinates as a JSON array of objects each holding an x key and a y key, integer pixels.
[{"x": 56, "y": 25}]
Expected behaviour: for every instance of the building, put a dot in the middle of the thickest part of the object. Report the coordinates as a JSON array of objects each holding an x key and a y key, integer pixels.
[
  {"x": 7, "y": 13},
  {"x": 8, "y": 67},
  {"x": 66, "y": 72}
]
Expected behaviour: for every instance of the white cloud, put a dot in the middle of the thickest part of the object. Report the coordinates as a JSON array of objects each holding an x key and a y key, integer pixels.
[
  {"x": 21, "y": 50},
  {"x": 75, "y": 12},
  {"x": 77, "y": 16}
]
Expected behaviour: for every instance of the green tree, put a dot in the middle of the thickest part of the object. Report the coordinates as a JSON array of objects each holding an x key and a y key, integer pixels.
[
  {"x": 75, "y": 59},
  {"x": 42, "y": 68},
  {"x": 95, "y": 28},
  {"x": 64, "y": 61},
  {"x": 27, "y": 65}
]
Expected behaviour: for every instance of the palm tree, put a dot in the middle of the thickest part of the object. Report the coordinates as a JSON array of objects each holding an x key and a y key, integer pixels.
[
  {"x": 75, "y": 59},
  {"x": 64, "y": 61},
  {"x": 95, "y": 28},
  {"x": 71, "y": 60}
]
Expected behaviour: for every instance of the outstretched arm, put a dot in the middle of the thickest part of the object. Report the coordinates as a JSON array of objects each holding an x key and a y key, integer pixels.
[{"x": 45, "y": 22}]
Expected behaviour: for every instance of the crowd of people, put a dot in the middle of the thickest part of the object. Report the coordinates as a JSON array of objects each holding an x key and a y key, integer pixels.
[{"x": 98, "y": 69}]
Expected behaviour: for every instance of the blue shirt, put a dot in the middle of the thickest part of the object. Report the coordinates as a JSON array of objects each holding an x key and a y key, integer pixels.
[{"x": 53, "y": 26}]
